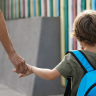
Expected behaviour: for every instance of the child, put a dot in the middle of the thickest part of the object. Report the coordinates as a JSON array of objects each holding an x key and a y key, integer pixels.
[{"x": 84, "y": 30}]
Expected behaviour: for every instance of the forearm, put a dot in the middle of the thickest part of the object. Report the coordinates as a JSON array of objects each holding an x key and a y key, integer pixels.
[
  {"x": 7, "y": 44},
  {"x": 4, "y": 37},
  {"x": 42, "y": 73}
]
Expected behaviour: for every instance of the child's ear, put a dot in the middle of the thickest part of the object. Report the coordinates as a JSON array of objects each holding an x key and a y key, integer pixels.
[{"x": 82, "y": 48}]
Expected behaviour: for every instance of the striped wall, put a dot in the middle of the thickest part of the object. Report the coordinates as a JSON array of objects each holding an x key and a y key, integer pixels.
[
  {"x": 13, "y": 9},
  {"x": 66, "y": 9}
]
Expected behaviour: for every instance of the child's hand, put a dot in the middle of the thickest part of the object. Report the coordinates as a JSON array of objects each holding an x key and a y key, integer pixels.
[{"x": 28, "y": 72}]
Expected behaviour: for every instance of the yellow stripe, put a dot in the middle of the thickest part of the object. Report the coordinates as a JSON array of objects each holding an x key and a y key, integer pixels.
[
  {"x": 54, "y": 8},
  {"x": 88, "y": 4},
  {"x": 17, "y": 8},
  {"x": 62, "y": 36},
  {"x": 37, "y": 8},
  {"x": 31, "y": 8},
  {"x": 13, "y": 9}
]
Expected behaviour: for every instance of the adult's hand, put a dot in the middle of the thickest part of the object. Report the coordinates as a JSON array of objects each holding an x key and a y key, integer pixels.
[{"x": 18, "y": 62}]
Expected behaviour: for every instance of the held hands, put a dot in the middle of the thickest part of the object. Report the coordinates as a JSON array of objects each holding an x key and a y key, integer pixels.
[
  {"x": 28, "y": 72},
  {"x": 18, "y": 62}
]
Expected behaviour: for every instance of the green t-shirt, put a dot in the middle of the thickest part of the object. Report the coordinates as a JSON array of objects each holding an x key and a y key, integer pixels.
[{"x": 70, "y": 67}]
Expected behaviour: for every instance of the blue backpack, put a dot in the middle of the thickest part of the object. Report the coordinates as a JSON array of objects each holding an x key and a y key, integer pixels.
[{"x": 87, "y": 85}]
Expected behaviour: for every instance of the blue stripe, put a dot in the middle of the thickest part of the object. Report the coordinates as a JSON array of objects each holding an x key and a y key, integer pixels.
[
  {"x": 93, "y": 4},
  {"x": 83, "y": 60},
  {"x": 58, "y": 7},
  {"x": 34, "y": 8}
]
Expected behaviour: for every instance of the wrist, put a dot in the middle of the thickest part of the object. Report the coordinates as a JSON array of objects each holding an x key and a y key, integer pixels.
[
  {"x": 12, "y": 53},
  {"x": 32, "y": 67}
]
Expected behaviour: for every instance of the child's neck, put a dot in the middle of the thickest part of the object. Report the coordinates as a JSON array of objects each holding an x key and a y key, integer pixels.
[{"x": 90, "y": 48}]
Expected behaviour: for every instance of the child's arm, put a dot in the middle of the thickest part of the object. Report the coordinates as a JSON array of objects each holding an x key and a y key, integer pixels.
[{"x": 42, "y": 73}]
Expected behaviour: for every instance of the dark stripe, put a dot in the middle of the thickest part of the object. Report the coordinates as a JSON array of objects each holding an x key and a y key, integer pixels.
[
  {"x": 78, "y": 61},
  {"x": 87, "y": 60},
  {"x": 90, "y": 89}
]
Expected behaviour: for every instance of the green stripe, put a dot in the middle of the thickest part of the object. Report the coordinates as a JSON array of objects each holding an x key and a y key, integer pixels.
[
  {"x": 83, "y": 5},
  {"x": 66, "y": 25},
  {"x": 51, "y": 8},
  {"x": 39, "y": 7},
  {"x": 28, "y": 8},
  {"x": 11, "y": 9}
]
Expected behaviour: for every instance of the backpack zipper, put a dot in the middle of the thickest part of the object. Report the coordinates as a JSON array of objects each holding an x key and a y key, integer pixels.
[{"x": 90, "y": 89}]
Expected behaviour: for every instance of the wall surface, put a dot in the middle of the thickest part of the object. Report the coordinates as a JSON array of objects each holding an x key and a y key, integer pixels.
[{"x": 37, "y": 40}]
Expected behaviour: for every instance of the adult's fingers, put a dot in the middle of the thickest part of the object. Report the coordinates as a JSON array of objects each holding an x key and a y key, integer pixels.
[
  {"x": 21, "y": 68},
  {"x": 25, "y": 69},
  {"x": 18, "y": 70}
]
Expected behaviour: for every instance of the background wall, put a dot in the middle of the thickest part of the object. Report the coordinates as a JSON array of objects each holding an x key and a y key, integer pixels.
[{"x": 37, "y": 40}]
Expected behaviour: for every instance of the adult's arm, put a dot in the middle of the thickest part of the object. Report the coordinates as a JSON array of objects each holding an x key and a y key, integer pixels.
[{"x": 16, "y": 59}]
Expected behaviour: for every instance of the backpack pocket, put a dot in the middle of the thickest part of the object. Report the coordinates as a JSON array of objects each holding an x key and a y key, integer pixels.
[
  {"x": 87, "y": 85},
  {"x": 91, "y": 91}
]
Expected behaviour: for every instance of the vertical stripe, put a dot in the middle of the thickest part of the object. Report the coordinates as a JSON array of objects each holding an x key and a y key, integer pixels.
[
  {"x": 39, "y": 7},
  {"x": 31, "y": 8},
  {"x": 54, "y": 8},
  {"x": 10, "y": 11},
  {"x": 51, "y": 8},
  {"x": 6, "y": 10},
  {"x": 42, "y": 8},
  {"x": 13, "y": 9},
  {"x": 66, "y": 25},
  {"x": 78, "y": 11},
  {"x": 45, "y": 3},
  {"x": 28, "y": 8},
  {"x": 18, "y": 8},
  {"x": 1, "y": 5},
  {"x": 83, "y": 5},
  {"x": 48, "y": 8},
  {"x": 23, "y": 8},
  {"x": 3, "y": 8},
  {"x": 58, "y": 7},
  {"x": 70, "y": 17},
  {"x": 74, "y": 16},
  {"x": 88, "y": 4},
  {"x": 93, "y": 4},
  {"x": 34, "y": 8},
  {"x": 62, "y": 35}
]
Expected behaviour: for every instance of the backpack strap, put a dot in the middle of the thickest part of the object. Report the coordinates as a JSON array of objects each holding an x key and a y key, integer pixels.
[
  {"x": 83, "y": 60},
  {"x": 84, "y": 63}
]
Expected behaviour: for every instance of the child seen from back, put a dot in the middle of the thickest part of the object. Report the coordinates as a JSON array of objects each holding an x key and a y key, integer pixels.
[{"x": 84, "y": 30}]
